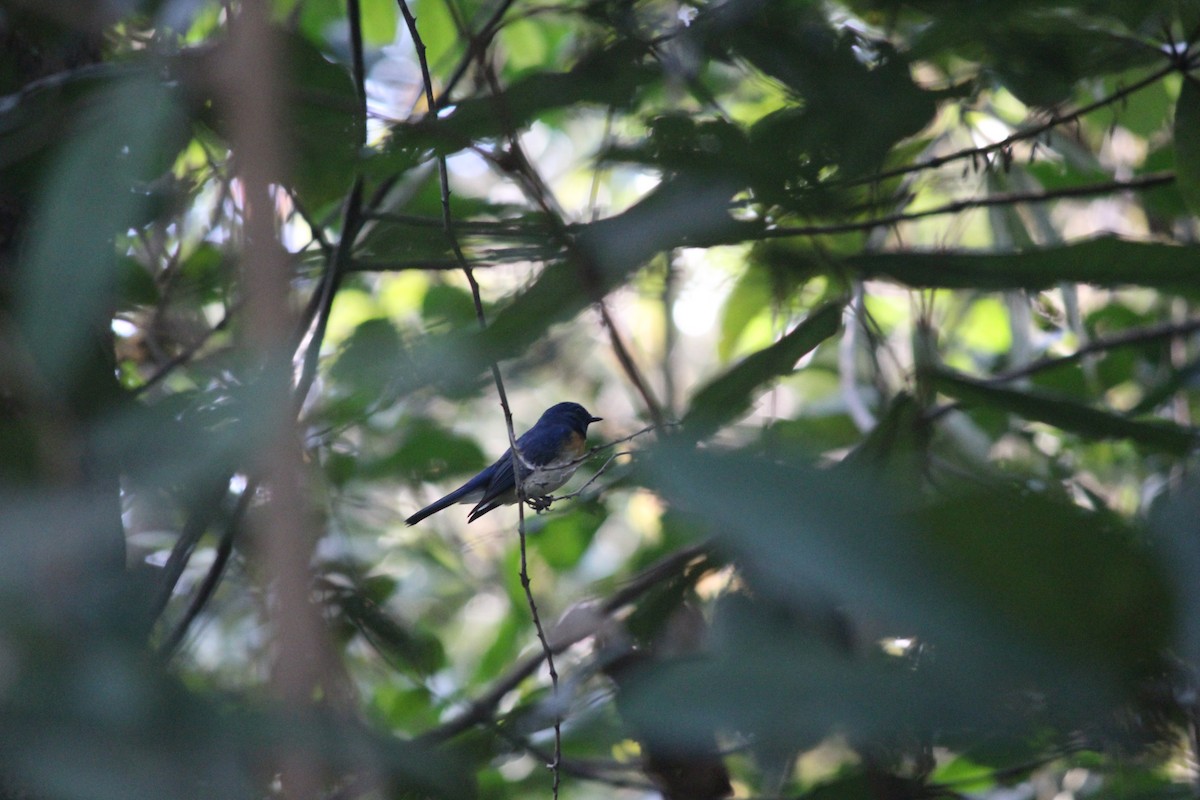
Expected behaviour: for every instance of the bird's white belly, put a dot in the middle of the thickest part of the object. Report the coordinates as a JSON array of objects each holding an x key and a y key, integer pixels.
[{"x": 545, "y": 480}]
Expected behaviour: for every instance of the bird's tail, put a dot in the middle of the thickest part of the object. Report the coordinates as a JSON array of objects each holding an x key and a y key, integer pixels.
[{"x": 436, "y": 506}]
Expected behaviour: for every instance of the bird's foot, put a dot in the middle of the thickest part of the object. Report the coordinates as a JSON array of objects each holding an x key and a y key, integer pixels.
[{"x": 539, "y": 504}]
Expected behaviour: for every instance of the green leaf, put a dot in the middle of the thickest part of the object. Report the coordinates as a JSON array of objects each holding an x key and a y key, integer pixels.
[
  {"x": 429, "y": 452},
  {"x": 323, "y": 121},
  {"x": 564, "y": 538},
  {"x": 1104, "y": 261},
  {"x": 67, "y": 282},
  {"x": 1014, "y": 589},
  {"x": 369, "y": 360},
  {"x": 607, "y": 77},
  {"x": 728, "y": 396},
  {"x": 682, "y": 211},
  {"x": 794, "y": 43},
  {"x": 750, "y": 297},
  {"x": 1187, "y": 143},
  {"x": 1068, "y": 415},
  {"x": 391, "y": 637}
]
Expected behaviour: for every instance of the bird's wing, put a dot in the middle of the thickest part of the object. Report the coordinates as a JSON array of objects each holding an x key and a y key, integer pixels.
[{"x": 543, "y": 448}]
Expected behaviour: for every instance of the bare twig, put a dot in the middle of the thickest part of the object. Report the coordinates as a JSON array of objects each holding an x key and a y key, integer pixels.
[
  {"x": 358, "y": 63},
  {"x": 215, "y": 572},
  {"x": 484, "y": 706},
  {"x": 1031, "y": 132},
  {"x": 183, "y": 357},
  {"x": 1007, "y": 198},
  {"x": 599, "y": 449},
  {"x": 518, "y": 476},
  {"x": 1150, "y": 333},
  {"x": 604, "y": 467}
]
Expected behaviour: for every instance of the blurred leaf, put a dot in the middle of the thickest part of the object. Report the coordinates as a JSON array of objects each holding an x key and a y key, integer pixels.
[
  {"x": 608, "y": 77},
  {"x": 980, "y": 574},
  {"x": 507, "y": 639},
  {"x": 1104, "y": 261},
  {"x": 428, "y": 452},
  {"x": 896, "y": 448},
  {"x": 369, "y": 360},
  {"x": 135, "y": 286},
  {"x": 727, "y": 397},
  {"x": 1187, "y": 143},
  {"x": 1068, "y": 415},
  {"x": 1036, "y": 50},
  {"x": 445, "y": 305},
  {"x": 775, "y": 272},
  {"x": 1145, "y": 112},
  {"x": 396, "y": 641},
  {"x": 793, "y": 43},
  {"x": 809, "y": 434},
  {"x": 323, "y": 122},
  {"x": 87, "y": 200},
  {"x": 564, "y": 538},
  {"x": 751, "y": 296}
]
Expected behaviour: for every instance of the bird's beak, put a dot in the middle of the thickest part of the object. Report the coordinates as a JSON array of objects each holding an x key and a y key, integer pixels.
[{"x": 595, "y": 419}]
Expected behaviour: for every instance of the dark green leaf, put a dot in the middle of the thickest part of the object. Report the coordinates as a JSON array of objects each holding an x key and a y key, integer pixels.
[
  {"x": 1068, "y": 414},
  {"x": 1187, "y": 143},
  {"x": 728, "y": 396},
  {"x": 87, "y": 201},
  {"x": 394, "y": 639},
  {"x": 324, "y": 124},
  {"x": 607, "y": 77},
  {"x": 428, "y": 452},
  {"x": 368, "y": 361},
  {"x": 1105, "y": 261}
]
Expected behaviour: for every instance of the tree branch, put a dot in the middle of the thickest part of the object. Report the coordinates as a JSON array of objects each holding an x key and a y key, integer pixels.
[
  {"x": 483, "y": 707},
  {"x": 1150, "y": 181},
  {"x": 1027, "y": 133}
]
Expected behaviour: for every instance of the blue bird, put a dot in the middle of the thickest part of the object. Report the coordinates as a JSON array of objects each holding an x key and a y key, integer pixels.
[{"x": 552, "y": 447}]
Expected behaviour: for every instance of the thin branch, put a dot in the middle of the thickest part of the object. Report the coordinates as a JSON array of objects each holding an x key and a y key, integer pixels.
[
  {"x": 1150, "y": 333},
  {"x": 603, "y": 468},
  {"x": 318, "y": 233},
  {"x": 182, "y": 357},
  {"x": 204, "y": 509},
  {"x": 354, "y": 18},
  {"x": 518, "y": 475},
  {"x": 1032, "y": 132},
  {"x": 215, "y": 572},
  {"x": 484, "y": 706},
  {"x": 627, "y": 363},
  {"x": 537, "y": 191},
  {"x": 1003, "y": 199},
  {"x": 601, "y": 448},
  {"x": 335, "y": 270},
  {"x": 476, "y": 46}
]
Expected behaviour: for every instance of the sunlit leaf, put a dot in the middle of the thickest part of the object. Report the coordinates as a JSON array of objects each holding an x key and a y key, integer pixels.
[{"x": 727, "y": 397}]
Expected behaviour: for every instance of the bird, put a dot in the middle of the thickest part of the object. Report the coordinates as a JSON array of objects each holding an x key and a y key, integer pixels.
[{"x": 552, "y": 447}]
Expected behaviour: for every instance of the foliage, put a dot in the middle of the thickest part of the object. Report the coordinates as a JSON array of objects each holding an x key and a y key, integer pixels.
[{"x": 888, "y": 308}]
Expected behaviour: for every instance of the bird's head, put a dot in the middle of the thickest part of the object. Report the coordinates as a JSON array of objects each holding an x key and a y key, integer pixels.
[{"x": 573, "y": 415}]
